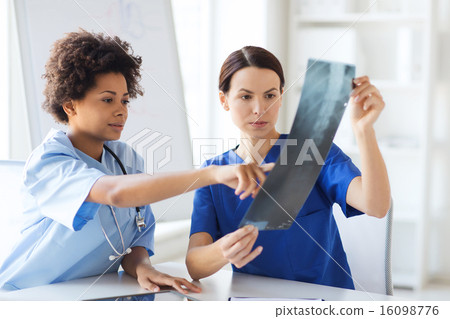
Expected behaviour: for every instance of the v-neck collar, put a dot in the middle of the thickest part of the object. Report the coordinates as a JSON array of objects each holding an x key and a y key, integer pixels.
[
  {"x": 94, "y": 163},
  {"x": 270, "y": 157}
]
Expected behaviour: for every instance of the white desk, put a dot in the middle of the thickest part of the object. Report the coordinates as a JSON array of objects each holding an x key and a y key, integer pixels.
[{"x": 219, "y": 286}]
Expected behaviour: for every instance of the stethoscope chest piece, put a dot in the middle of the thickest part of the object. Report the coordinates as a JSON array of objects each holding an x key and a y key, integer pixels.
[{"x": 140, "y": 222}]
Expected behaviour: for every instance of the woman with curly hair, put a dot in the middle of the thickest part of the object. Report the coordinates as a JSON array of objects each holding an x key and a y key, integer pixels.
[{"x": 83, "y": 213}]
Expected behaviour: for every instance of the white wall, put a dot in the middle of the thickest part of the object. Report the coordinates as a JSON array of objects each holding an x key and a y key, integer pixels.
[
  {"x": 15, "y": 131},
  {"x": 4, "y": 96}
]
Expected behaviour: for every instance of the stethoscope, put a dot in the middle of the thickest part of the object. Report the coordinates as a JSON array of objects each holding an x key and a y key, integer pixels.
[{"x": 140, "y": 221}]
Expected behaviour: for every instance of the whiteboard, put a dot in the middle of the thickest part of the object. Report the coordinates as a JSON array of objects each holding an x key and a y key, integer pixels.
[{"x": 157, "y": 126}]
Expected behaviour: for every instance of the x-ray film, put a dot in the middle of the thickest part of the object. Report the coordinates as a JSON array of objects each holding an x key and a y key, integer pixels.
[{"x": 325, "y": 94}]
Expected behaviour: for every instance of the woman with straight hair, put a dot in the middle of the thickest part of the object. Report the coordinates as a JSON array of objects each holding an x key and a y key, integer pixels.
[{"x": 251, "y": 85}]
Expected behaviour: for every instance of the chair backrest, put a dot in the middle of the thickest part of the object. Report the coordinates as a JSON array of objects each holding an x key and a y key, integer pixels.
[
  {"x": 10, "y": 204},
  {"x": 367, "y": 243}
]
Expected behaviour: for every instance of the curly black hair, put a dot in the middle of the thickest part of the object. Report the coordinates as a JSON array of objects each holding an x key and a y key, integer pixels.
[{"x": 74, "y": 62}]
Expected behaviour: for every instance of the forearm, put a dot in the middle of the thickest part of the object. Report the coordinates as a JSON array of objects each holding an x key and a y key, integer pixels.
[
  {"x": 203, "y": 261},
  {"x": 375, "y": 188},
  {"x": 143, "y": 189},
  {"x": 138, "y": 258}
]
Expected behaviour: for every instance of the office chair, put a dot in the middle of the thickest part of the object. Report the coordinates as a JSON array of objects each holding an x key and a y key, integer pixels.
[
  {"x": 10, "y": 204},
  {"x": 367, "y": 243}
]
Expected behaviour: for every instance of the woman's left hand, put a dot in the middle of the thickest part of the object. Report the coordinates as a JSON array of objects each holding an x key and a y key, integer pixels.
[
  {"x": 366, "y": 103},
  {"x": 151, "y": 279}
]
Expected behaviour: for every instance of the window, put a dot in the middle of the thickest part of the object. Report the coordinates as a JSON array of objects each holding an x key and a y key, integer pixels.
[
  {"x": 207, "y": 32},
  {"x": 205, "y": 37}
]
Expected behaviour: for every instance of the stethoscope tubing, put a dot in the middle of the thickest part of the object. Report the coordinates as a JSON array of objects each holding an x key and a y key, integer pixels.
[{"x": 139, "y": 220}]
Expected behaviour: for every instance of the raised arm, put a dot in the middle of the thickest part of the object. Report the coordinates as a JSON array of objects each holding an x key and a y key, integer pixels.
[
  {"x": 369, "y": 193},
  {"x": 142, "y": 189}
]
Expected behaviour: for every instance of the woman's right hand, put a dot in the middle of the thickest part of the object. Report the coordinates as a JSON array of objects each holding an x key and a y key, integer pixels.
[
  {"x": 236, "y": 247},
  {"x": 245, "y": 178}
]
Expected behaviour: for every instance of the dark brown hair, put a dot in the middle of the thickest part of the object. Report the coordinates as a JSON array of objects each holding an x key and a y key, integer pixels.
[
  {"x": 245, "y": 57},
  {"x": 74, "y": 62}
]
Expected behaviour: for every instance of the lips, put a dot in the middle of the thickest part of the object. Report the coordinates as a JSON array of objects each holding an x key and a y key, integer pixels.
[
  {"x": 258, "y": 124},
  {"x": 117, "y": 126}
]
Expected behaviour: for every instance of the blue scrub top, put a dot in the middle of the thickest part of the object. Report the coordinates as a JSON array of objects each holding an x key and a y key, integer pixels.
[
  {"x": 62, "y": 238},
  {"x": 315, "y": 254}
]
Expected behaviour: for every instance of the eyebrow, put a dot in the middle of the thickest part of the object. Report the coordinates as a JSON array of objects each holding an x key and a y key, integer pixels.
[
  {"x": 113, "y": 93},
  {"x": 248, "y": 91},
  {"x": 271, "y": 90}
]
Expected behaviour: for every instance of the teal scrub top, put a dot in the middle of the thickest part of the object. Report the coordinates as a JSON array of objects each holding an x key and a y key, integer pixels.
[
  {"x": 313, "y": 254},
  {"x": 62, "y": 237}
]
